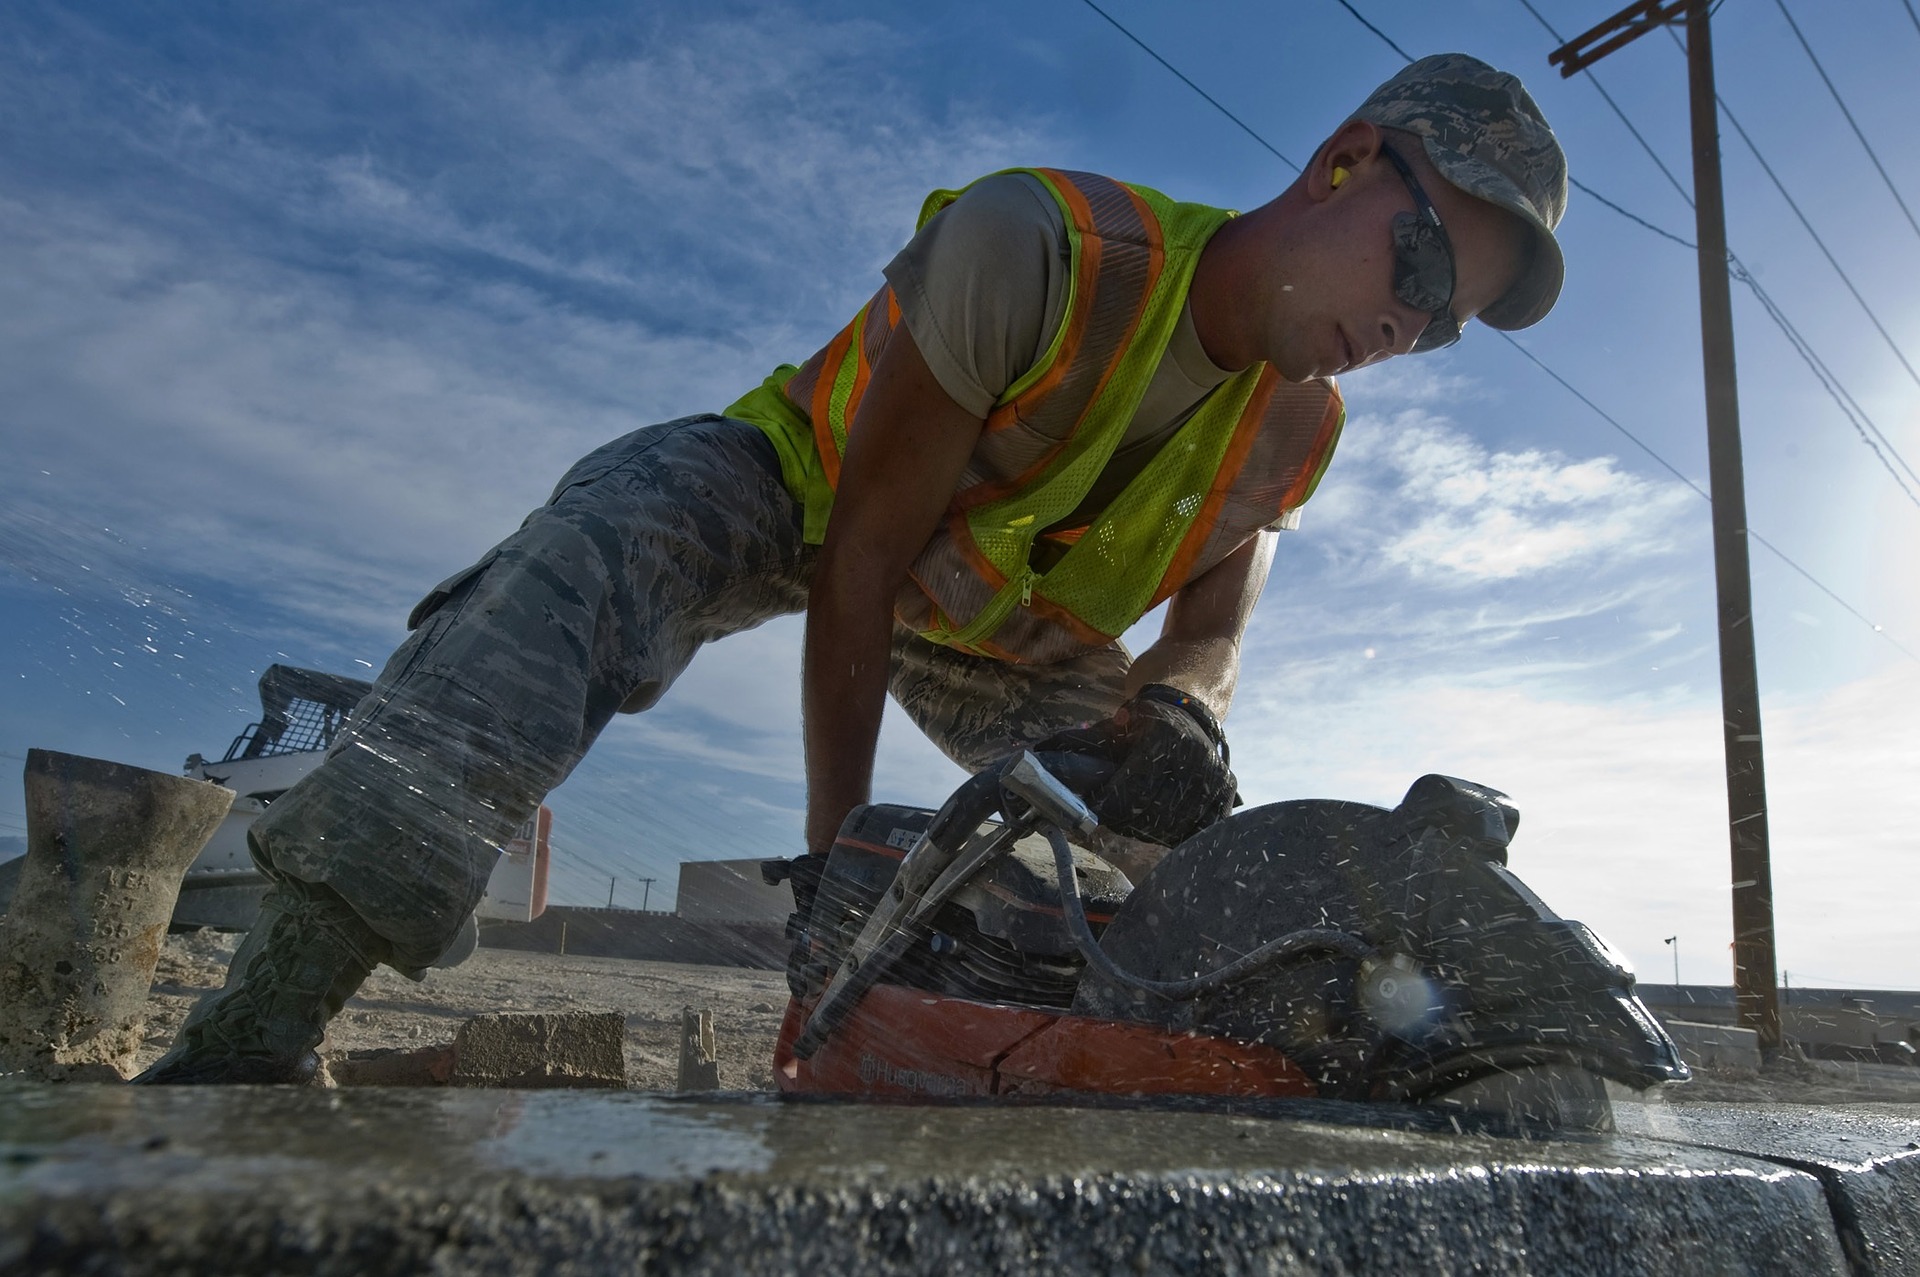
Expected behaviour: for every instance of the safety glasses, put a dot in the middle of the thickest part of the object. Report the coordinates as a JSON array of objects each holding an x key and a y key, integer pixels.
[{"x": 1423, "y": 263}]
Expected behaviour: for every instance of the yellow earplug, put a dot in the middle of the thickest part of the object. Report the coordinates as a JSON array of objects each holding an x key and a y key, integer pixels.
[{"x": 1340, "y": 175}]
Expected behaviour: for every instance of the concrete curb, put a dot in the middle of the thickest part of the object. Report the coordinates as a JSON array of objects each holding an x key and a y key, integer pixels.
[
  {"x": 1867, "y": 1159},
  {"x": 381, "y": 1181}
]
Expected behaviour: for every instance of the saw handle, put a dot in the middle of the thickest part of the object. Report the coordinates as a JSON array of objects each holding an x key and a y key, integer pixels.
[
  {"x": 1048, "y": 787},
  {"x": 1054, "y": 784}
]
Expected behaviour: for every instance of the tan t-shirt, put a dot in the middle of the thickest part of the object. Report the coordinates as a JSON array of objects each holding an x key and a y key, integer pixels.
[{"x": 983, "y": 287}]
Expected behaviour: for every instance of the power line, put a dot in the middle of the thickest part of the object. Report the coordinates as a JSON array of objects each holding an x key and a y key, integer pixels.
[
  {"x": 1536, "y": 360},
  {"x": 1854, "y": 124},
  {"x": 1777, "y": 552},
  {"x": 1361, "y": 19},
  {"x": 1825, "y": 251},
  {"x": 1639, "y": 137},
  {"x": 1832, "y": 261},
  {"x": 1630, "y": 216},
  {"x": 1738, "y": 269},
  {"x": 1828, "y": 380},
  {"x": 1211, "y": 100},
  {"x": 1856, "y": 416},
  {"x": 1606, "y": 416},
  {"x": 1831, "y": 384},
  {"x": 1912, "y": 14}
]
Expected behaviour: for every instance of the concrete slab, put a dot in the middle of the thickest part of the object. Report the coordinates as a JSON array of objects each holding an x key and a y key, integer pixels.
[
  {"x": 372, "y": 1182},
  {"x": 1867, "y": 1157}
]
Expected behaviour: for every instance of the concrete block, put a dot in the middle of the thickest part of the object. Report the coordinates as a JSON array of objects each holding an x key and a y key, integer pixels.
[
  {"x": 1716, "y": 1045},
  {"x": 107, "y": 845},
  {"x": 373, "y": 1182},
  {"x": 1867, "y": 1161},
  {"x": 571, "y": 1048},
  {"x": 699, "y": 1060},
  {"x": 423, "y": 1066}
]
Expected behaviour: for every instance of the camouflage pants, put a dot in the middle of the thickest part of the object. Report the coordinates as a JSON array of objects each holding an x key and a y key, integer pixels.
[{"x": 659, "y": 542}]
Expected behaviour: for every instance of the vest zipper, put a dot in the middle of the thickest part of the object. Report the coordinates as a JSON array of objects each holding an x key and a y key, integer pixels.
[{"x": 988, "y": 620}]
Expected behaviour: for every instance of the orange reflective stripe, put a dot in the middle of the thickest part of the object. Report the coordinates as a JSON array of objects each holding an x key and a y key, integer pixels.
[
  {"x": 973, "y": 587},
  {"x": 1084, "y": 282},
  {"x": 1317, "y": 459},
  {"x": 1092, "y": 305},
  {"x": 851, "y": 383},
  {"x": 1245, "y": 431},
  {"x": 821, "y": 407},
  {"x": 1156, "y": 259},
  {"x": 840, "y": 380}
]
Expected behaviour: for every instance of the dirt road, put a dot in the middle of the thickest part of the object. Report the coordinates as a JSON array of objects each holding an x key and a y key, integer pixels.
[
  {"x": 746, "y": 1006},
  {"x": 391, "y": 1011}
]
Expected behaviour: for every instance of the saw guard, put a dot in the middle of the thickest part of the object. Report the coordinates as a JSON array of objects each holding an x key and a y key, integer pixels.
[{"x": 1477, "y": 975}]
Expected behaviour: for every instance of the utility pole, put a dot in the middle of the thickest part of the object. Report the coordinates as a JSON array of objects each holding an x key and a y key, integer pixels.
[
  {"x": 646, "y": 892},
  {"x": 610, "y": 883},
  {"x": 1755, "y": 986}
]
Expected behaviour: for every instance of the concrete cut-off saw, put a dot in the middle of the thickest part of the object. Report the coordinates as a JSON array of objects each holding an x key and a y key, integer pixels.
[{"x": 1301, "y": 949}]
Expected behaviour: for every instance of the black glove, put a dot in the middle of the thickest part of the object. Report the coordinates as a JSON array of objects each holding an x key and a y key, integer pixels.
[{"x": 1171, "y": 777}]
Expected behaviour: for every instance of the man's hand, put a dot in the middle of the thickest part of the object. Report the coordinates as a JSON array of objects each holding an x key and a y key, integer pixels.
[
  {"x": 1174, "y": 778},
  {"x": 1171, "y": 778},
  {"x": 906, "y": 453}
]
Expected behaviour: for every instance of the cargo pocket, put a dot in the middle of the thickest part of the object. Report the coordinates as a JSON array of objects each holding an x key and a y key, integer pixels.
[{"x": 437, "y": 597}]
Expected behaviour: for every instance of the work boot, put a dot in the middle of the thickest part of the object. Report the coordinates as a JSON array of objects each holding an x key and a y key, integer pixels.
[{"x": 306, "y": 955}]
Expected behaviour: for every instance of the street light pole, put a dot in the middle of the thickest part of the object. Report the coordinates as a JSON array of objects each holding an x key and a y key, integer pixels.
[
  {"x": 646, "y": 892},
  {"x": 1756, "y": 992},
  {"x": 1675, "y": 942}
]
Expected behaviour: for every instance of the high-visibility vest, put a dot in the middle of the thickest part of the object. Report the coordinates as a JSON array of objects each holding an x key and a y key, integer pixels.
[{"x": 1251, "y": 452}]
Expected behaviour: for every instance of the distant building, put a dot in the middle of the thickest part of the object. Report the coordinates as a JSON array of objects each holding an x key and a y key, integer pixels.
[
  {"x": 1844, "y": 1024},
  {"x": 730, "y": 891}
]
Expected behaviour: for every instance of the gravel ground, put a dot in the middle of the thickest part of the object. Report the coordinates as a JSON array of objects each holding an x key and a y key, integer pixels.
[
  {"x": 392, "y": 1011},
  {"x": 1789, "y": 1080},
  {"x": 746, "y": 1006}
]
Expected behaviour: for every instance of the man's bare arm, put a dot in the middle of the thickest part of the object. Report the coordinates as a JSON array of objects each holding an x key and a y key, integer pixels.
[
  {"x": 1198, "y": 650},
  {"x": 905, "y": 456}
]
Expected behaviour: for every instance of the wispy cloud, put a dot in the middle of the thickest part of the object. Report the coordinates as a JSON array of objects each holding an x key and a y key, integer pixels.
[
  {"x": 301, "y": 314},
  {"x": 1624, "y": 803},
  {"x": 362, "y": 361},
  {"x": 1507, "y": 616},
  {"x": 1423, "y": 496}
]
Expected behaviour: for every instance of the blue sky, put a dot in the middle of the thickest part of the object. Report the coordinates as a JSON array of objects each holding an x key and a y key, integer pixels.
[{"x": 302, "y": 307}]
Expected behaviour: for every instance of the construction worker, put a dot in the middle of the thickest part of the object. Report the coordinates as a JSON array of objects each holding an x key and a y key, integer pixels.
[{"x": 1070, "y": 401}]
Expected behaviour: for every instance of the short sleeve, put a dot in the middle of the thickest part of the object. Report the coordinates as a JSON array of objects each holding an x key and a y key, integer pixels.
[{"x": 982, "y": 285}]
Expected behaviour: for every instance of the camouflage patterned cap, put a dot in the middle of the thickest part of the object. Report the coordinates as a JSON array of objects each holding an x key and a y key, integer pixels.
[{"x": 1485, "y": 135}]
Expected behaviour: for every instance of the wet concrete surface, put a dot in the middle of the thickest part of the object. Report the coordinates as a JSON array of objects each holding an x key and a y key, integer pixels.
[
  {"x": 99, "y": 1179},
  {"x": 1867, "y": 1159}
]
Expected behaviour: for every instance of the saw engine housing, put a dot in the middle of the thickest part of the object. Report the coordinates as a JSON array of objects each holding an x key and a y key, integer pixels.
[
  {"x": 1001, "y": 937},
  {"x": 1451, "y": 972}
]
